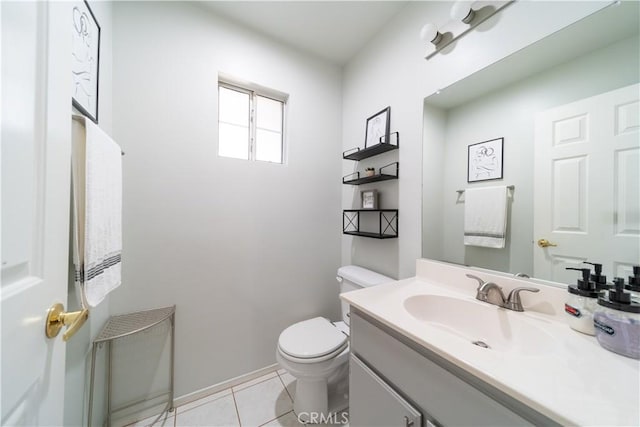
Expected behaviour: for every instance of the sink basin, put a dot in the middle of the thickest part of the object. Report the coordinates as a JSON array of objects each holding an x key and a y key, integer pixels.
[{"x": 482, "y": 324}]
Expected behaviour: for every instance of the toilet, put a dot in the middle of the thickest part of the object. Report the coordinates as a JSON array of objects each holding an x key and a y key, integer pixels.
[{"x": 316, "y": 352}]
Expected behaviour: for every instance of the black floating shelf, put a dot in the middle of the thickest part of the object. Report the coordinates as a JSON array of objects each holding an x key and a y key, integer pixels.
[
  {"x": 368, "y": 179},
  {"x": 373, "y": 178},
  {"x": 387, "y": 223},
  {"x": 374, "y": 150},
  {"x": 373, "y": 235}
]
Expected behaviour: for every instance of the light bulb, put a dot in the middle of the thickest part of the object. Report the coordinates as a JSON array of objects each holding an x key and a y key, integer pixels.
[
  {"x": 429, "y": 33},
  {"x": 462, "y": 11}
]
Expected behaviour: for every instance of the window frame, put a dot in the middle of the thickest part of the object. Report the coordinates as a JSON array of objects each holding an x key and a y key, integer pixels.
[{"x": 254, "y": 91}]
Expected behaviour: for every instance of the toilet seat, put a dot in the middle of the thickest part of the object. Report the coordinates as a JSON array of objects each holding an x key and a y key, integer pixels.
[
  {"x": 312, "y": 340},
  {"x": 314, "y": 360}
]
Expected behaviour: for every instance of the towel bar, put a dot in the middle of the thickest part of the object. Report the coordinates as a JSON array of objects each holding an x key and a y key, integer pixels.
[
  {"x": 81, "y": 118},
  {"x": 510, "y": 187}
]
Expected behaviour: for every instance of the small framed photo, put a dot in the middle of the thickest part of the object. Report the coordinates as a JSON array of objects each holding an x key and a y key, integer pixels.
[
  {"x": 484, "y": 161},
  {"x": 378, "y": 128},
  {"x": 85, "y": 60},
  {"x": 369, "y": 199}
]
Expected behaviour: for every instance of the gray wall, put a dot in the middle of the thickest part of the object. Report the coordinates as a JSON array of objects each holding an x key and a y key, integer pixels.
[
  {"x": 79, "y": 348},
  {"x": 391, "y": 70},
  {"x": 435, "y": 121},
  {"x": 510, "y": 113},
  {"x": 244, "y": 249}
]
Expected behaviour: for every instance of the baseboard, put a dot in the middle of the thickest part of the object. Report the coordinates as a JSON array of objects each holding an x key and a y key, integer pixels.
[
  {"x": 199, "y": 394},
  {"x": 152, "y": 410}
]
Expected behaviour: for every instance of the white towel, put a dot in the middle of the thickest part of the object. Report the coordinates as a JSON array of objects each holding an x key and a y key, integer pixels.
[
  {"x": 485, "y": 216},
  {"x": 97, "y": 188}
]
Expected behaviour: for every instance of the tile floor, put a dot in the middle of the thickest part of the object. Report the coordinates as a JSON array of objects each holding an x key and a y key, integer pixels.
[{"x": 264, "y": 401}]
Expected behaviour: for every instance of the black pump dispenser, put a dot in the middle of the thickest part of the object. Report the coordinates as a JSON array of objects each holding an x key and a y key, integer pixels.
[
  {"x": 599, "y": 279},
  {"x": 619, "y": 295},
  {"x": 634, "y": 281},
  {"x": 618, "y": 299},
  {"x": 584, "y": 286}
]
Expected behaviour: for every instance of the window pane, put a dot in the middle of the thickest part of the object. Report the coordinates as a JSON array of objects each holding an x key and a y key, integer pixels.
[
  {"x": 233, "y": 141},
  {"x": 268, "y": 146},
  {"x": 269, "y": 114},
  {"x": 233, "y": 106}
]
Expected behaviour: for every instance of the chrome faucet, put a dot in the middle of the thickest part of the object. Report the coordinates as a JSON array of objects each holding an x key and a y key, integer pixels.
[
  {"x": 483, "y": 293},
  {"x": 512, "y": 302}
]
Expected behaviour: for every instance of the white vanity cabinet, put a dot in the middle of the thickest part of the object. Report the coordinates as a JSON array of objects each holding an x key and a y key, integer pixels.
[{"x": 397, "y": 382}]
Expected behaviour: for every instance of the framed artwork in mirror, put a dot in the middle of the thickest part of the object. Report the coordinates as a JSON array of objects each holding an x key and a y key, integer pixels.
[
  {"x": 484, "y": 160},
  {"x": 377, "y": 131},
  {"x": 85, "y": 60}
]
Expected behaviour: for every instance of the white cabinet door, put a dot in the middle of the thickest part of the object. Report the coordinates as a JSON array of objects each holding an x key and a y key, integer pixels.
[
  {"x": 36, "y": 123},
  {"x": 373, "y": 402},
  {"x": 587, "y": 173}
]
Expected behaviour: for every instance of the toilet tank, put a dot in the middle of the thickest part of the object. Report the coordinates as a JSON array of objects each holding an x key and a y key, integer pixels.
[{"x": 352, "y": 277}]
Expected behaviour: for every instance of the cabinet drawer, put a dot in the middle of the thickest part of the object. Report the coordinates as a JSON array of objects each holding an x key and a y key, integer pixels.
[
  {"x": 436, "y": 388},
  {"x": 374, "y": 403}
]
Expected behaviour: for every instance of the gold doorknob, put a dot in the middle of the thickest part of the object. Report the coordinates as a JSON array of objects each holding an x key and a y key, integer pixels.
[
  {"x": 544, "y": 243},
  {"x": 57, "y": 318}
]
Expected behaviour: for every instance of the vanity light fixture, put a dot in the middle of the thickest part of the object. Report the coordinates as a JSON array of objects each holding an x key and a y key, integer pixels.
[
  {"x": 462, "y": 11},
  {"x": 430, "y": 33},
  {"x": 465, "y": 16}
]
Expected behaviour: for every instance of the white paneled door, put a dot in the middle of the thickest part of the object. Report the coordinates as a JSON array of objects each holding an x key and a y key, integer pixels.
[
  {"x": 36, "y": 126},
  {"x": 587, "y": 179}
]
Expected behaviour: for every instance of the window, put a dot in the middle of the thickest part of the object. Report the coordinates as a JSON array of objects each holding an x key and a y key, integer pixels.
[{"x": 250, "y": 123}]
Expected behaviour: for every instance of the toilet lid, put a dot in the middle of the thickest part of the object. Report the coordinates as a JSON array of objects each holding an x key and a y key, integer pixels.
[{"x": 311, "y": 338}]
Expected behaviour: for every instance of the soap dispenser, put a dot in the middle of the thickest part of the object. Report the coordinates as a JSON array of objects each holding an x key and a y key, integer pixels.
[
  {"x": 634, "y": 281},
  {"x": 617, "y": 322},
  {"x": 582, "y": 302},
  {"x": 597, "y": 277}
]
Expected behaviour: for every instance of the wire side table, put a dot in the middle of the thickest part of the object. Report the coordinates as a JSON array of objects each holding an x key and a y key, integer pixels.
[{"x": 124, "y": 325}]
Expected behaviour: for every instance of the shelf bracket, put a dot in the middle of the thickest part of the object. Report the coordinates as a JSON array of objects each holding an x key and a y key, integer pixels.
[{"x": 397, "y": 169}]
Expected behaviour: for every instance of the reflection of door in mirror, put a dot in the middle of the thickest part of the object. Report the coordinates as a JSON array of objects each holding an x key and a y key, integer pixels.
[{"x": 587, "y": 163}]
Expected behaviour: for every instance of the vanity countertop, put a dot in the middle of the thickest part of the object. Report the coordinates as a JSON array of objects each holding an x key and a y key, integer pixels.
[{"x": 575, "y": 381}]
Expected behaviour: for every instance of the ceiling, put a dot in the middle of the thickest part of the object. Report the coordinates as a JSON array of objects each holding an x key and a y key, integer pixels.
[{"x": 332, "y": 30}]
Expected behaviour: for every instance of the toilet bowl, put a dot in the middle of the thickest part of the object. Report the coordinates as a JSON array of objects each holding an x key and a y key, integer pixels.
[{"x": 316, "y": 352}]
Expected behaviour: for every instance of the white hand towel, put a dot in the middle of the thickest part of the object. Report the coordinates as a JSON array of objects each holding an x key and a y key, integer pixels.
[
  {"x": 97, "y": 183},
  {"x": 485, "y": 216}
]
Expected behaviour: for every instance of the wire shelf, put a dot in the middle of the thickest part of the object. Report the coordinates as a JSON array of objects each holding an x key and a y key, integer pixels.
[{"x": 127, "y": 324}]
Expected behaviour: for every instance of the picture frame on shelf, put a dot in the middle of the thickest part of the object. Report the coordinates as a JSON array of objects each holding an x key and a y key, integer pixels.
[
  {"x": 369, "y": 199},
  {"x": 85, "y": 60},
  {"x": 485, "y": 160},
  {"x": 378, "y": 128}
]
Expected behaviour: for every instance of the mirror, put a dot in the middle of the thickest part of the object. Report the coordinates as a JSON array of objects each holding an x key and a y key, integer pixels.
[{"x": 595, "y": 56}]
